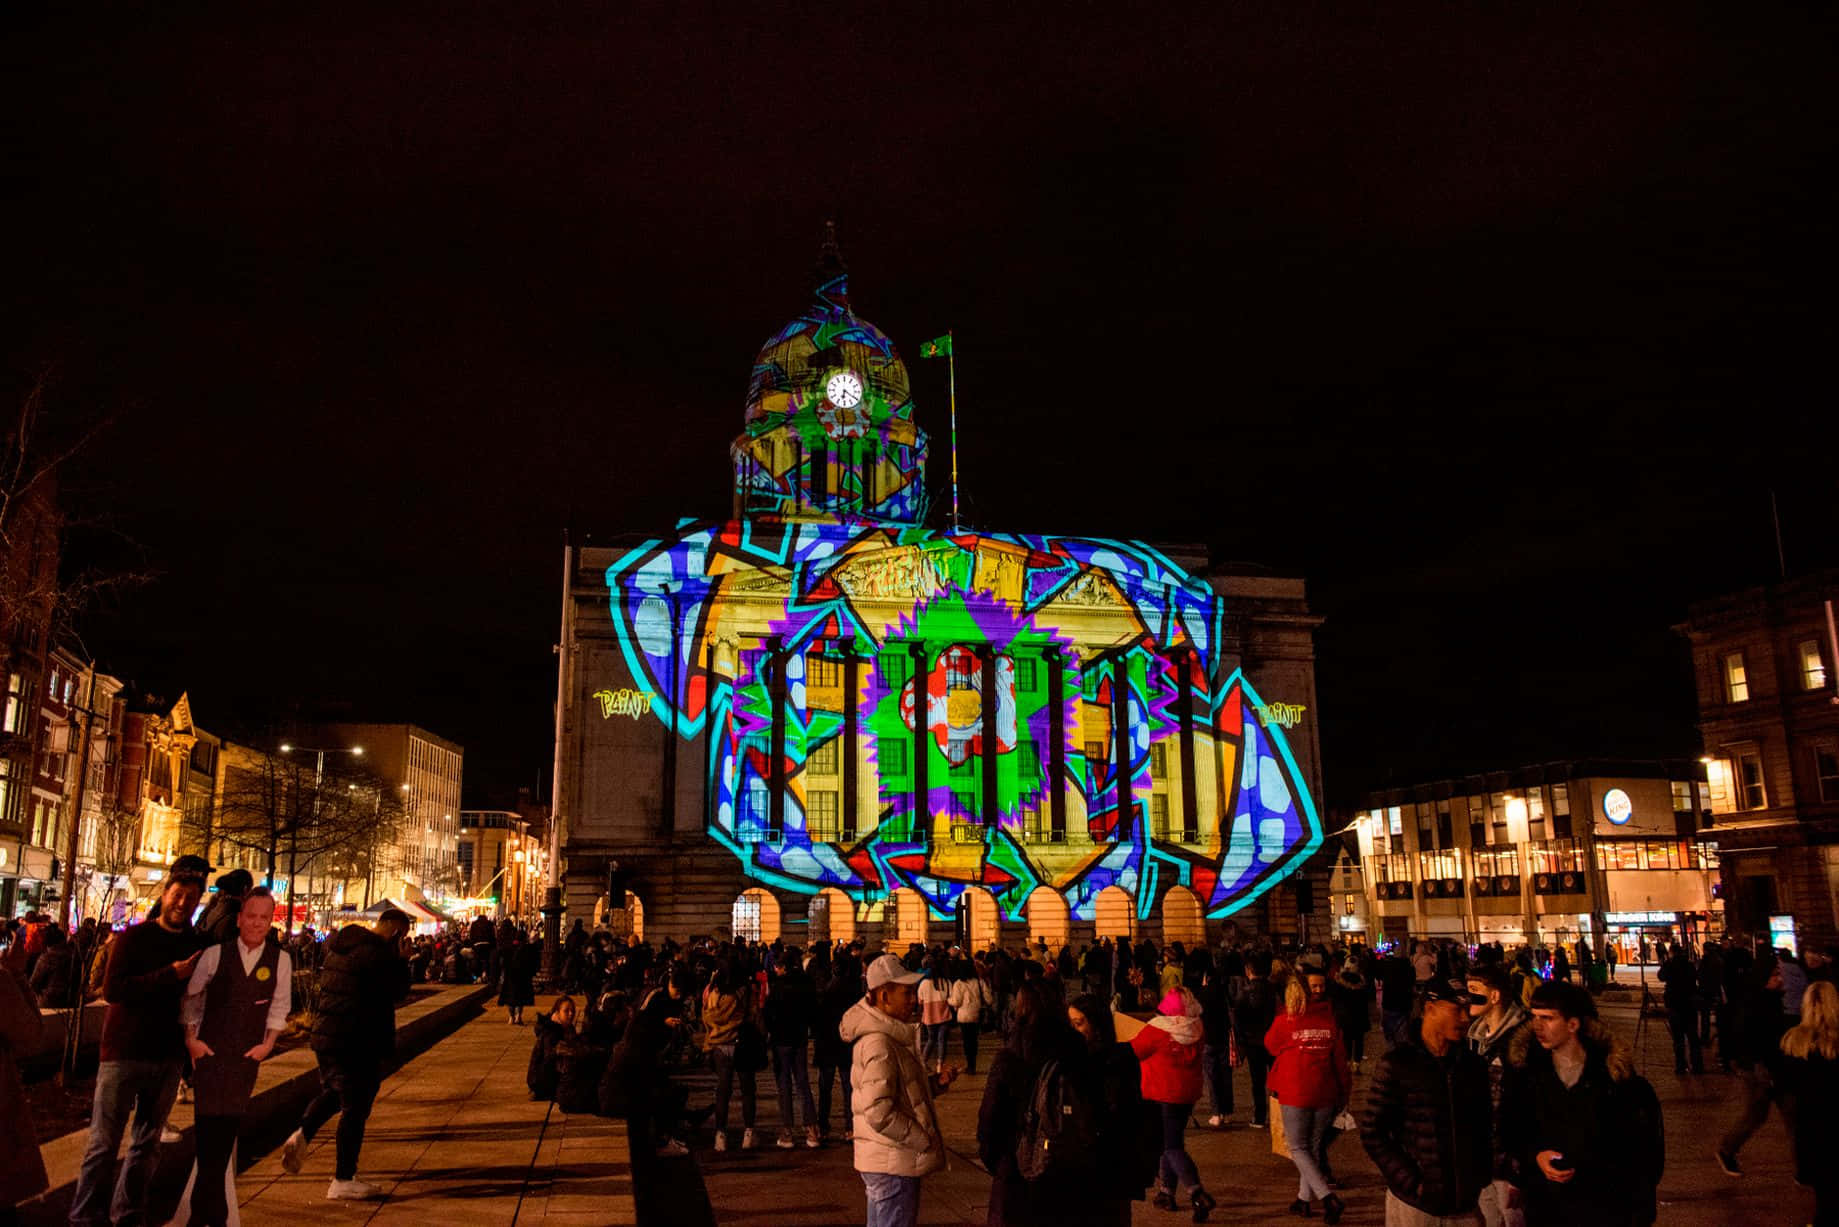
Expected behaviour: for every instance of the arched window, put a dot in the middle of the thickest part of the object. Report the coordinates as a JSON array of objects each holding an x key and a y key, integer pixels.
[
  {"x": 1114, "y": 914},
  {"x": 756, "y": 916},
  {"x": 1048, "y": 919},
  {"x": 1182, "y": 919}
]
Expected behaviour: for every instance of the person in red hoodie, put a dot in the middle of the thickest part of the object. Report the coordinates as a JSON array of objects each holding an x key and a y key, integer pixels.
[
  {"x": 1169, "y": 1049},
  {"x": 1309, "y": 1077}
]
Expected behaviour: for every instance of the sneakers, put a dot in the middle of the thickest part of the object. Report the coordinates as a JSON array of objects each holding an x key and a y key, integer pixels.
[
  {"x": 1258, "y": 1124},
  {"x": 812, "y": 1140},
  {"x": 352, "y": 1190},
  {"x": 748, "y": 1140},
  {"x": 185, "y": 1092},
  {"x": 169, "y": 1135},
  {"x": 1216, "y": 1122},
  {"x": 292, "y": 1151},
  {"x": 785, "y": 1141},
  {"x": 672, "y": 1149},
  {"x": 721, "y": 1139},
  {"x": 1728, "y": 1162},
  {"x": 849, "y": 1135}
]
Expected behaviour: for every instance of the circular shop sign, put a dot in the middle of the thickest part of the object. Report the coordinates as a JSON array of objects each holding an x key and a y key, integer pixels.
[{"x": 1617, "y": 807}]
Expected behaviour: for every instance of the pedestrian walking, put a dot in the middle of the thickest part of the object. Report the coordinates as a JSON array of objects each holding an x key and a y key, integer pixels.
[
  {"x": 1427, "y": 1114},
  {"x": 1170, "y": 1051},
  {"x": 1610, "y": 955},
  {"x": 235, "y": 1008},
  {"x": 1130, "y": 1127},
  {"x": 935, "y": 1015},
  {"x": 1680, "y": 995},
  {"x": 736, "y": 1045},
  {"x": 1349, "y": 993},
  {"x": 897, "y": 1137},
  {"x": 1397, "y": 984},
  {"x": 143, "y": 1044},
  {"x": 970, "y": 997},
  {"x": 1585, "y": 1125},
  {"x": 1310, "y": 1080},
  {"x": 1216, "y": 1050},
  {"x": 1811, "y": 1068},
  {"x": 1751, "y": 1040},
  {"x": 1253, "y": 1010},
  {"x": 516, "y": 976},
  {"x": 828, "y": 1051},
  {"x": 791, "y": 1008},
  {"x": 1497, "y": 1022},
  {"x": 364, "y": 975}
]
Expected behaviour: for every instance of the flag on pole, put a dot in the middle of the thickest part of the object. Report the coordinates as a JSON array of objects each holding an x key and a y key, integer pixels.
[{"x": 938, "y": 347}]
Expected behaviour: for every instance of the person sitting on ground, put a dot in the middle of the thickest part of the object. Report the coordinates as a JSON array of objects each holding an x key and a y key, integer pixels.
[{"x": 551, "y": 1029}]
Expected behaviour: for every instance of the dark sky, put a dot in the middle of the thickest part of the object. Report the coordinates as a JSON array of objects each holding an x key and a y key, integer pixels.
[{"x": 1499, "y": 329}]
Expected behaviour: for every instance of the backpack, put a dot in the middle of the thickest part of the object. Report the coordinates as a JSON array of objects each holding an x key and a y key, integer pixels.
[{"x": 1059, "y": 1134}]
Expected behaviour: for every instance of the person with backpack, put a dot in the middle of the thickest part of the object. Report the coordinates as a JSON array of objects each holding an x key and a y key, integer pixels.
[
  {"x": 828, "y": 1051},
  {"x": 735, "y": 1044},
  {"x": 1253, "y": 1010},
  {"x": 791, "y": 1007},
  {"x": 1170, "y": 1050},
  {"x": 1038, "y": 1127},
  {"x": 1310, "y": 1079},
  {"x": 1129, "y": 1127}
]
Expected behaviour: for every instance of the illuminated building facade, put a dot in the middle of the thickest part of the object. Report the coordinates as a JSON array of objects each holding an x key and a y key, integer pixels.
[
  {"x": 819, "y": 718},
  {"x": 1769, "y": 716},
  {"x": 425, "y": 768},
  {"x": 1603, "y": 850},
  {"x": 501, "y": 866}
]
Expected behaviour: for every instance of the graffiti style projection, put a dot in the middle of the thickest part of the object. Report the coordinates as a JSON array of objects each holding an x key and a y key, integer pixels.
[
  {"x": 830, "y": 420},
  {"x": 887, "y": 707}
]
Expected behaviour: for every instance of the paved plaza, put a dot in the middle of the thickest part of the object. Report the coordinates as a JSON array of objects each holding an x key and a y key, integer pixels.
[{"x": 455, "y": 1139}]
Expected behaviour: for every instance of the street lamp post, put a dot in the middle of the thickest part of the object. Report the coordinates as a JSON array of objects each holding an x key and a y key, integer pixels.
[{"x": 293, "y": 830}]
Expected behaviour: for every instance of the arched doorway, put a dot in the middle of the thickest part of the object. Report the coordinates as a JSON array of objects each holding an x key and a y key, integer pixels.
[
  {"x": 977, "y": 920},
  {"x": 1182, "y": 919},
  {"x": 910, "y": 918},
  {"x": 627, "y": 920},
  {"x": 833, "y": 916},
  {"x": 1048, "y": 919},
  {"x": 1114, "y": 914},
  {"x": 756, "y": 916}
]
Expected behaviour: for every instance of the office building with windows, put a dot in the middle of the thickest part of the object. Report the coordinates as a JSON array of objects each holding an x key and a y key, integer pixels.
[
  {"x": 1769, "y": 716},
  {"x": 1609, "y": 851},
  {"x": 821, "y": 718}
]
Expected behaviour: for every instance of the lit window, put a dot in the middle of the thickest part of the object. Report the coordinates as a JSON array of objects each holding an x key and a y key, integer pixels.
[
  {"x": 1024, "y": 675},
  {"x": 1159, "y": 815},
  {"x": 821, "y": 671},
  {"x": 1749, "y": 780},
  {"x": 1682, "y": 796},
  {"x": 823, "y": 758},
  {"x": 1097, "y": 752},
  {"x": 893, "y": 755},
  {"x": 1736, "y": 679},
  {"x": 1813, "y": 669},
  {"x": 1826, "y": 767},
  {"x": 1028, "y": 764},
  {"x": 822, "y": 823},
  {"x": 1159, "y": 760},
  {"x": 1395, "y": 822}
]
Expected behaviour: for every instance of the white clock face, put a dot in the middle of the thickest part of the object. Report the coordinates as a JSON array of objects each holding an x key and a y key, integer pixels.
[{"x": 844, "y": 390}]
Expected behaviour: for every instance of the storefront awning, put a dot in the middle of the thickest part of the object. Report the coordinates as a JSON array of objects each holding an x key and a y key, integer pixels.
[{"x": 420, "y": 913}]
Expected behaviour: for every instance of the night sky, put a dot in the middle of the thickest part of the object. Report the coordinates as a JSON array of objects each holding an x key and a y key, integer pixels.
[{"x": 1499, "y": 330}]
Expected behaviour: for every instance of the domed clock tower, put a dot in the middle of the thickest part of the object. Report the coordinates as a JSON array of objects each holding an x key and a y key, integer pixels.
[{"x": 830, "y": 431}]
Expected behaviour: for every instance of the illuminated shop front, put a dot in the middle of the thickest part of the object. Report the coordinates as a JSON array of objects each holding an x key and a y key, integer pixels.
[
  {"x": 821, "y": 718},
  {"x": 1539, "y": 855}
]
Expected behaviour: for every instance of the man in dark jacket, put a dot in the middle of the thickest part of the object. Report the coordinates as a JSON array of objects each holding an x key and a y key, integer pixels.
[
  {"x": 1585, "y": 1126},
  {"x": 1426, "y": 1123},
  {"x": 364, "y": 976},
  {"x": 1681, "y": 998},
  {"x": 1752, "y": 1043},
  {"x": 791, "y": 1007},
  {"x": 1254, "y": 1006},
  {"x": 1397, "y": 981},
  {"x": 1216, "y": 1052}
]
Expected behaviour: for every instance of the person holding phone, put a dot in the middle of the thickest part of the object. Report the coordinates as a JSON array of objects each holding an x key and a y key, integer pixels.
[{"x": 1586, "y": 1125}]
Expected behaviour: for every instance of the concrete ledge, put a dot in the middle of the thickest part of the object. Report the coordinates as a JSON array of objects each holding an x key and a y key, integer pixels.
[{"x": 282, "y": 1088}]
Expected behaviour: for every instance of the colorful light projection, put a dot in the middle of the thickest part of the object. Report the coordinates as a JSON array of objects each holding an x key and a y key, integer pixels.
[
  {"x": 730, "y": 623},
  {"x": 830, "y": 420}
]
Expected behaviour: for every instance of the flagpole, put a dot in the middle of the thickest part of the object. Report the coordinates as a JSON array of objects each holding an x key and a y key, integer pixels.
[{"x": 951, "y": 366}]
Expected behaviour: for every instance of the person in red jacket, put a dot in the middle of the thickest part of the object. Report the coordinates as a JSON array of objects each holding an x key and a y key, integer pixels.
[
  {"x": 1169, "y": 1049},
  {"x": 1309, "y": 1078}
]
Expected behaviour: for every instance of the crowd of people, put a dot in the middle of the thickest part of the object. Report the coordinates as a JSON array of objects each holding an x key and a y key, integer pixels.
[{"x": 1501, "y": 1097}]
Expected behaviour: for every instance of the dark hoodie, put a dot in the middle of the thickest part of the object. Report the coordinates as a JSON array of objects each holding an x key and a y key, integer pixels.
[
  {"x": 1608, "y": 1126},
  {"x": 1495, "y": 1049},
  {"x": 362, "y": 980}
]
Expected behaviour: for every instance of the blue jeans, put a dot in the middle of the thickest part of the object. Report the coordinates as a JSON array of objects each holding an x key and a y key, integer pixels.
[
  {"x": 1177, "y": 1172},
  {"x": 933, "y": 1048},
  {"x": 1304, "y": 1130},
  {"x": 893, "y": 1201},
  {"x": 794, "y": 1074},
  {"x": 145, "y": 1090}
]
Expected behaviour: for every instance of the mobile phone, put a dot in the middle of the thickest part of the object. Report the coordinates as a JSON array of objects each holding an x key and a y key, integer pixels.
[{"x": 1559, "y": 1163}]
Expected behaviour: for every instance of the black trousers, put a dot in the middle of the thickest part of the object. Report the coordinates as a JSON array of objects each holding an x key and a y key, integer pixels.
[
  {"x": 1258, "y": 1061},
  {"x": 347, "y": 1088},
  {"x": 216, "y": 1139},
  {"x": 1684, "y": 1025},
  {"x": 969, "y": 1032}
]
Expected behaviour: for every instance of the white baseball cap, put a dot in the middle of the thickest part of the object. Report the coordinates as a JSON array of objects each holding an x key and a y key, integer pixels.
[{"x": 889, "y": 970}]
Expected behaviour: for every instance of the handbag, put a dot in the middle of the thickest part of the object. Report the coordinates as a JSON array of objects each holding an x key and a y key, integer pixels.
[
  {"x": 1279, "y": 1146},
  {"x": 750, "y": 1049}
]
